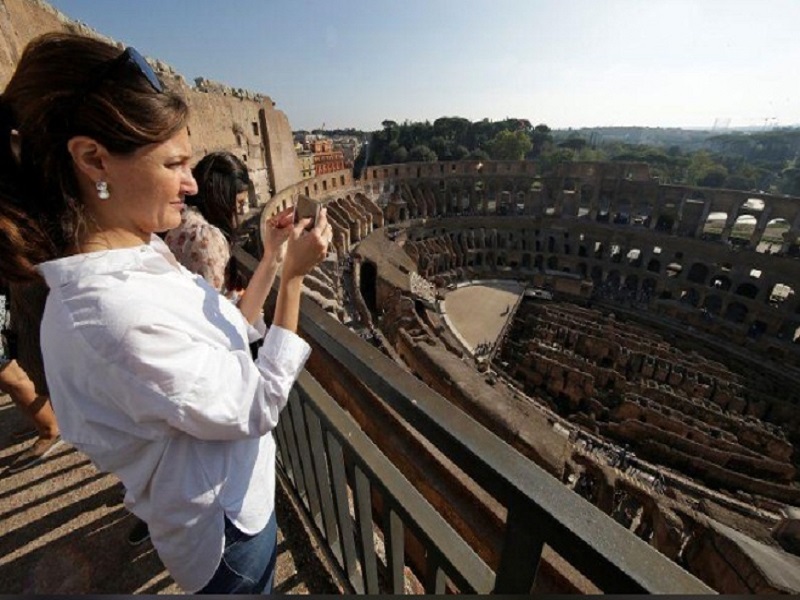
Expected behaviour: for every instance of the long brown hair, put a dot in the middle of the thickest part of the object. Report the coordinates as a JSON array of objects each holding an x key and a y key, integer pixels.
[
  {"x": 54, "y": 95},
  {"x": 220, "y": 176}
]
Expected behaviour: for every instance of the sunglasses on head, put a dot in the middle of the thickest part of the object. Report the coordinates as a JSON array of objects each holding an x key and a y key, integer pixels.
[{"x": 130, "y": 57}]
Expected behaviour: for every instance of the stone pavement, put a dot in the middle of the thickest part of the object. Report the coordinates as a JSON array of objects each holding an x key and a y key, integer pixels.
[{"x": 63, "y": 530}]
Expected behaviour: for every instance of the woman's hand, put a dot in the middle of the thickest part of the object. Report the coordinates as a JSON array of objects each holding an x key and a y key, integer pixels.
[
  {"x": 274, "y": 233},
  {"x": 306, "y": 249}
]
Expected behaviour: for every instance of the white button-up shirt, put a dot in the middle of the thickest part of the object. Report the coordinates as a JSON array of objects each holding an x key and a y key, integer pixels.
[{"x": 150, "y": 375}]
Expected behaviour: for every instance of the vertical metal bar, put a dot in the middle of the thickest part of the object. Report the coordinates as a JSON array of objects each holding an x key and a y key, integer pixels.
[
  {"x": 434, "y": 576},
  {"x": 363, "y": 510},
  {"x": 294, "y": 454},
  {"x": 395, "y": 548},
  {"x": 522, "y": 550},
  {"x": 283, "y": 448},
  {"x": 319, "y": 459},
  {"x": 301, "y": 435},
  {"x": 339, "y": 479}
]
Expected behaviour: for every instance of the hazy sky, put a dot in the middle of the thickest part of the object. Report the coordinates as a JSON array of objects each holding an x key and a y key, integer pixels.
[{"x": 566, "y": 63}]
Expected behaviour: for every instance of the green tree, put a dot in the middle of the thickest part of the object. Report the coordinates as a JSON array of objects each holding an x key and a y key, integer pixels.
[
  {"x": 415, "y": 134},
  {"x": 574, "y": 143},
  {"x": 480, "y": 134},
  {"x": 391, "y": 130},
  {"x": 400, "y": 155},
  {"x": 789, "y": 182},
  {"x": 441, "y": 147},
  {"x": 739, "y": 182},
  {"x": 453, "y": 129},
  {"x": 384, "y": 151},
  {"x": 460, "y": 152},
  {"x": 510, "y": 145},
  {"x": 588, "y": 154},
  {"x": 422, "y": 153},
  {"x": 715, "y": 177},
  {"x": 549, "y": 160},
  {"x": 700, "y": 164},
  {"x": 541, "y": 140},
  {"x": 478, "y": 154}
]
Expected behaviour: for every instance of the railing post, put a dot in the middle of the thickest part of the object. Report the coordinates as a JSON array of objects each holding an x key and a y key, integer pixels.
[
  {"x": 295, "y": 409},
  {"x": 324, "y": 485},
  {"x": 522, "y": 549},
  {"x": 435, "y": 579},
  {"x": 287, "y": 429},
  {"x": 362, "y": 505},
  {"x": 339, "y": 480},
  {"x": 395, "y": 548}
]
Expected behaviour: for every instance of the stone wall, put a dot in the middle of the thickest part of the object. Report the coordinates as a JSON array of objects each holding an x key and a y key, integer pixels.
[
  {"x": 223, "y": 122},
  {"x": 283, "y": 160},
  {"x": 20, "y": 21}
]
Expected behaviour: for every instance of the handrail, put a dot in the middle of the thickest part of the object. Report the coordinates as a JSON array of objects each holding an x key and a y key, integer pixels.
[
  {"x": 541, "y": 510},
  {"x": 319, "y": 442}
]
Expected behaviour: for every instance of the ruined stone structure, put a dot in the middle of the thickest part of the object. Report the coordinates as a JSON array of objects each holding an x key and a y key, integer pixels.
[
  {"x": 675, "y": 408},
  {"x": 721, "y": 261},
  {"x": 668, "y": 357}
]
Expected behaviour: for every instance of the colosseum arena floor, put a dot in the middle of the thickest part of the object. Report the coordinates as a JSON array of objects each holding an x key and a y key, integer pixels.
[{"x": 477, "y": 313}]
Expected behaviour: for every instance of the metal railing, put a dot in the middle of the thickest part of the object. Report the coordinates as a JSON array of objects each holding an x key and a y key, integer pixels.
[
  {"x": 335, "y": 469},
  {"x": 338, "y": 473}
]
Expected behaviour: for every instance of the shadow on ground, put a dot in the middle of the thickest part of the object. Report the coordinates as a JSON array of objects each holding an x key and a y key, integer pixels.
[{"x": 64, "y": 531}]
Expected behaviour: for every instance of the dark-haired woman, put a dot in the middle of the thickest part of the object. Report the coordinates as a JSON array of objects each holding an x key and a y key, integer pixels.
[
  {"x": 203, "y": 241},
  {"x": 148, "y": 366}
]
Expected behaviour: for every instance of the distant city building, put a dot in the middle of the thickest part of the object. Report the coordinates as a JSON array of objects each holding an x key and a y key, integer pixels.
[
  {"x": 306, "y": 158},
  {"x": 350, "y": 147},
  {"x": 334, "y": 149},
  {"x": 326, "y": 159}
]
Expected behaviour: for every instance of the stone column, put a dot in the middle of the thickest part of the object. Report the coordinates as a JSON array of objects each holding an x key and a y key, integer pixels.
[
  {"x": 728, "y": 227},
  {"x": 703, "y": 218},
  {"x": 791, "y": 236},
  {"x": 761, "y": 227}
]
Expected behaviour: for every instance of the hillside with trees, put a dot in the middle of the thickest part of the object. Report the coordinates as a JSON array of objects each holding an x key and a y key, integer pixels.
[{"x": 758, "y": 160}]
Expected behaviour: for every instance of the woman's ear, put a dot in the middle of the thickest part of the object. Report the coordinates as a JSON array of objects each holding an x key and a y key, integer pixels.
[{"x": 89, "y": 157}]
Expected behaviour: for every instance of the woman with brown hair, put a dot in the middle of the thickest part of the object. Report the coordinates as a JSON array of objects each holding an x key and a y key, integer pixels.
[
  {"x": 149, "y": 367},
  {"x": 203, "y": 243}
]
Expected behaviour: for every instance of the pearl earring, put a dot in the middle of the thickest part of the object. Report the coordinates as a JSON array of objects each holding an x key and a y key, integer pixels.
[{"x": 102, "y": 190}]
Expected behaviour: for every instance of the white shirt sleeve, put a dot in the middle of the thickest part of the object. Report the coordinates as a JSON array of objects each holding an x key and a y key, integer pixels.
[
  {"x": 258, "y": 329},
  {"x": 207, "y": 391}
]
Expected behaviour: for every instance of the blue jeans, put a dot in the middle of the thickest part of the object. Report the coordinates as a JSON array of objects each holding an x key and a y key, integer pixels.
[{"x": 248, "y": 561}]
